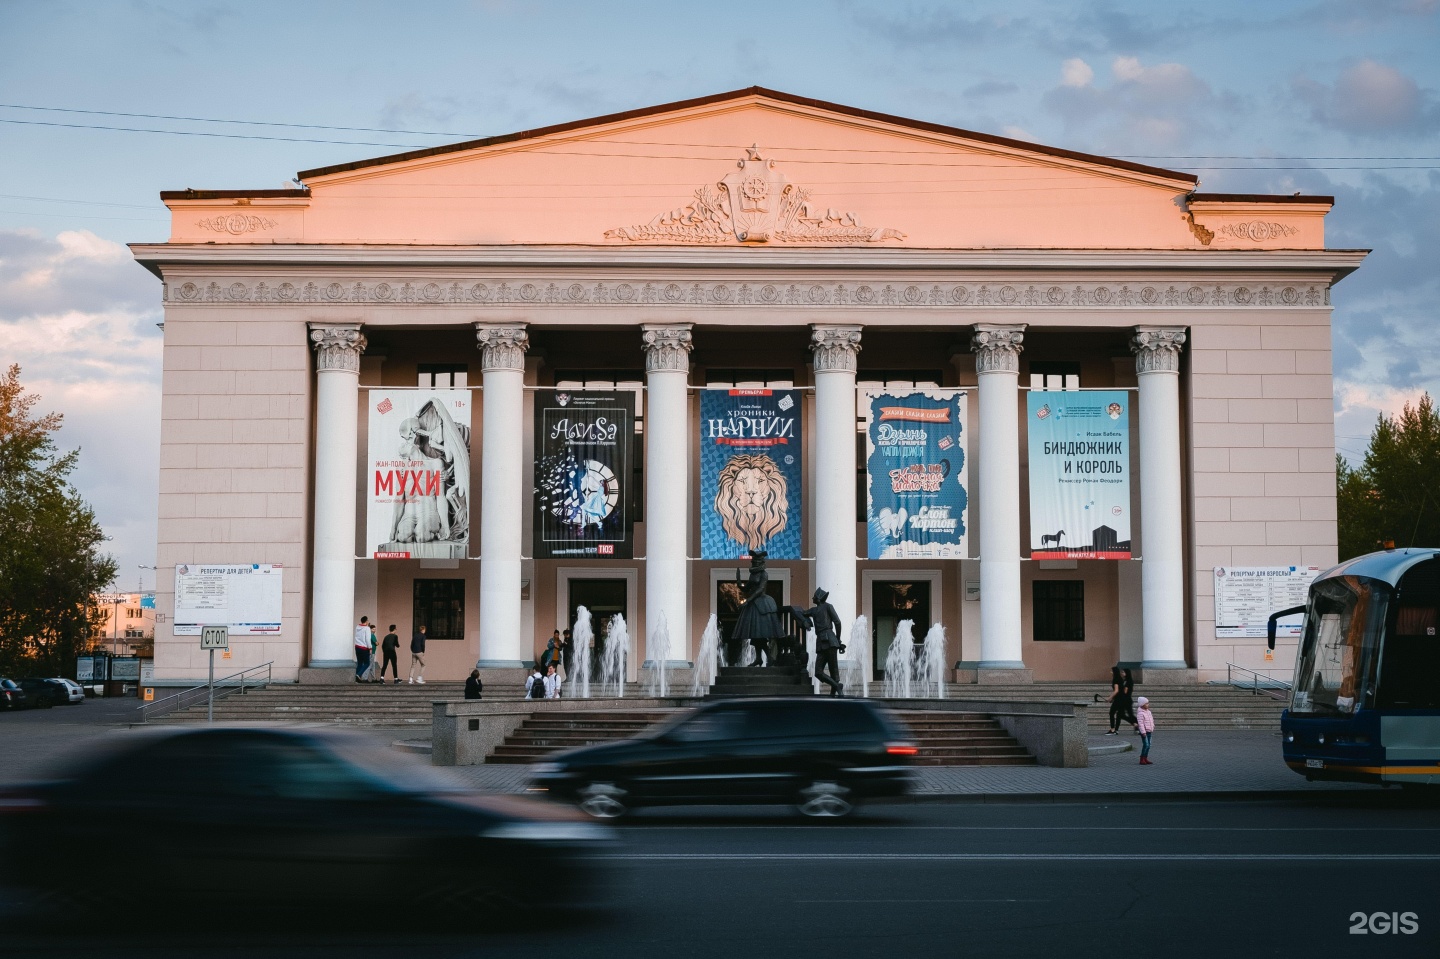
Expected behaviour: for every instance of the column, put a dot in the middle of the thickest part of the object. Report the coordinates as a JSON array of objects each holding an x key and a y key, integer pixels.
[
  {"x": 997, "y": 364},
  {"x": 667, "y": 483},
  {"x": 835, "y": 350},
  {"x": 502, "y": 502},
  {"x": 337, "y": 422},
  {"x": 1162, "y": 570}
]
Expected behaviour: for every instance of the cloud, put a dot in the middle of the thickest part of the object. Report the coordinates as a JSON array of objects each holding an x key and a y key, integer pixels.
[
  {"x": 1369, "y": 98},
  {"x": 931, "y": 26},
  {"x": 1076, "y": 73},
  {"x": 79, "y": 317},
  {"x": 990, "y": 88},
  {"x": 1159, "y": 105}
]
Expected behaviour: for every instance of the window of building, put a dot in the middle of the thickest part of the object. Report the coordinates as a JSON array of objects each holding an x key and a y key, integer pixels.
[
  {"x": 1054, "y": 376},
  {"x": 1059, "y": 611},
  {"x": 738, "y": 379},
  {"x": 440, "y": 608},
  {"x": 443, "y": 376},
  {"x": 878, "y": 381},
  {"x": 622, "y": 381}
]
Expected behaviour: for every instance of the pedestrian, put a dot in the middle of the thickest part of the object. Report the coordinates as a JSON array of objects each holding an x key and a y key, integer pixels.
[
  {"x": 551, "y": 656},
  {"x": 1145, "y": 722},
  {"x": 370, "y": 673},
  {"x": 1127, "y": 692},
  {"x": 389, "y": 646},
  {"x": 473, "y": 686},
  {"x": 1117, "y": 685},
  {"x": 362, "y": 648},
  {"x": 417, "y": 656},
  {"x": 567, "y": 653},
  {"x": 552, "y": 682},
  {"x": 535, "y": 684},
  {"x": 826, "y": 623}
]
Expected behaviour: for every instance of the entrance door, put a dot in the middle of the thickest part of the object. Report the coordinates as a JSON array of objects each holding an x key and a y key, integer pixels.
[
  {"x": 892, "y": 602},
  {"x": 605, "y": 599}
]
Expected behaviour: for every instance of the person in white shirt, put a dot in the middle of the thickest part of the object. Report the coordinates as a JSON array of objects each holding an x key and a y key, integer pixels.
[
  {"x": 552, "y": 682},
  {"x": 362, "y": 647},
  {"x": 532, "y": 681}
]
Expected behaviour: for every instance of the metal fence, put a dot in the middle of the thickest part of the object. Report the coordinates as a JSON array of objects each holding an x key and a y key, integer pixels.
[{"x": 256, "y": 677}]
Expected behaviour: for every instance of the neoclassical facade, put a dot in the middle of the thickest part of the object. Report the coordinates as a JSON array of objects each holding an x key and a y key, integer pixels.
[{"x": 750, "y": 240}]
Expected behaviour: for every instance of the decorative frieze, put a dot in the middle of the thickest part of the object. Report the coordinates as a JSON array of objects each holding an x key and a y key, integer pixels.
[
  {"x": 667, "y": 348},
  {"x": 564, "y": 293},
  {"x": 997, "y": 348},
  {"x": 835, "y": 348},
  {"x": 1157, "y": 350},
  {"x": 235, "y": 224},
  {"x": 338, "y": 347},
  {"x": 1257, "y": 230},
  {"x": 502, "y": 347}
]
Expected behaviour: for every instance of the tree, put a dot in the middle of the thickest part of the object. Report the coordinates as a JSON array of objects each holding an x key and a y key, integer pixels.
[
  {"x": 1393, "y": 495},
  {"x": 50, "y": 564}
]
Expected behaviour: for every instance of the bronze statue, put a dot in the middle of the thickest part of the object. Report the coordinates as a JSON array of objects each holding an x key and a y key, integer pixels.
[
  {"x": 759, "y": 621},
  {"x": 826, "y": 623}
]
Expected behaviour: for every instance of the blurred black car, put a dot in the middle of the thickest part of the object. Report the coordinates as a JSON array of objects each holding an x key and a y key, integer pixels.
[
  {"x": 44, "y": 693},
  {"x": 12, "y": 696},
  {"x": 293, "y": 819},
  {"x": 823, "y": 755}
]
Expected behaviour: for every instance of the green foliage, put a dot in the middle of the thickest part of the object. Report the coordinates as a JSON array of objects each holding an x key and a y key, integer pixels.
[
  {"x": 1394, "y": 494},
  {"x": 50, "y": 563}
]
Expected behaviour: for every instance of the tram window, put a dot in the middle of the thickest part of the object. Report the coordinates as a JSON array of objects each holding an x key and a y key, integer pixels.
[
  {"x": 1411, "y": 657},
  {"x": 1336, "y": 668}
]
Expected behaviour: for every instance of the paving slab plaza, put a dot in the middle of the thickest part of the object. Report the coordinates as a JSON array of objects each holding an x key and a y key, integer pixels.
[{"x": 1188, "y": 763}]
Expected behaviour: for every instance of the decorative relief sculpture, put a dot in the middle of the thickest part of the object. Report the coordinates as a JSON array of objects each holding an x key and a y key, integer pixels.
[
  {"x": 337, "y": 347},
  {"x": 997, "y": 348},
  {"x": 502, "y": 347},
  {"x": 1256, "y": 230},
  {"x": 667, "y": 348},
  {"x": 236, "y": 224},
  {"x": 754, "y": 204},
  {"x": 1157, "y": 350},
  {"x": 835, "y": 348}
]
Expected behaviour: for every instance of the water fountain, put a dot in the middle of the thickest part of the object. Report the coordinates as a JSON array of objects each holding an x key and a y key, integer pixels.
[
  {"x": 900, "y": 661},
  {"x": 706, "y": 659},
  {"x": 657, "y": 687},
  {"x": 581, "y": 635},
  {"x": 930, "y": 665},
  {"x": 860, "y": 642},
  {"x": 614, "y": 656}
]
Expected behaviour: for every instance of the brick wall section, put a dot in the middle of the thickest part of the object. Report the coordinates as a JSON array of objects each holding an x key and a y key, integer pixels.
[
  {"x": 234, "y": 465},
  {"x": 1263, "y": 454}
]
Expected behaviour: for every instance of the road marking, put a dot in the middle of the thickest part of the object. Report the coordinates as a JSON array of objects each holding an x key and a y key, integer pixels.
[
  {"x": 1024, "y": 857},
  {"x": 1125, "y": 829}
]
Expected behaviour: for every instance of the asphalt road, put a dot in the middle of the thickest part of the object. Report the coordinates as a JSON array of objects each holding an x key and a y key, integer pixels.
[{"x": 1065, "y": 880}]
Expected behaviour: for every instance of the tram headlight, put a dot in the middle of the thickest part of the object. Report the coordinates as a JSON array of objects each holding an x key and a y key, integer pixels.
[
  {"x": 1289, "y": 737},
  {"x": 1320, "y": 739}
]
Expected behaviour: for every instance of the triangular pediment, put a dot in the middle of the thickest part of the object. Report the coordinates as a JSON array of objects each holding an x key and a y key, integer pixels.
[{"x": 753, "y": 168}]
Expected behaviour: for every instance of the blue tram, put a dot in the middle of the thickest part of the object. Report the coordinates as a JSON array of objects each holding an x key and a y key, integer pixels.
[{"x": 1365, "y": 704}]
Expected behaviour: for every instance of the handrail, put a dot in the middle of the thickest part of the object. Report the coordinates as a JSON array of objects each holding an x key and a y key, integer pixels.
[
  {"x": 1269, "y": 687},
  {"x": 224, "y": 686}
]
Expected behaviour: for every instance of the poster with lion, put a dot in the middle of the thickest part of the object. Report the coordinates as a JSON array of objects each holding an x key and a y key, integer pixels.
[{"x": 750, "y": 483}]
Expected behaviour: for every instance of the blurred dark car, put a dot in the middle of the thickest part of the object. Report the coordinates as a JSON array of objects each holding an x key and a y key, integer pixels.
[
  {"x": 12, "y": 696},
  {"x": 44, "y": 693},
  {"x": 292, "y": 818},
  {"x": 823, "y": 755}
]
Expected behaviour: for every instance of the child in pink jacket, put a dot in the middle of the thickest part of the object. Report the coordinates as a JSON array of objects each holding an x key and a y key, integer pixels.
[{"x": 1145, "y": 722}]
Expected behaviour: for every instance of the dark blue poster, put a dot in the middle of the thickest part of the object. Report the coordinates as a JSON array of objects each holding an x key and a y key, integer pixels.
[
  {"x": 916, "y": 474},
  {"x": 582, "y": 474},
  {"x": 749, "y": 473}
]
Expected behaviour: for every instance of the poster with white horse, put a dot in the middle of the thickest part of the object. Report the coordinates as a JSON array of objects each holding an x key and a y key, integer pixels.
[{"x": 1079, "y": 474}]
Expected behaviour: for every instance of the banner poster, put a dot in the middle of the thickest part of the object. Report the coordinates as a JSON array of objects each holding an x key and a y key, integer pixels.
[
  {"x": 246, "y": 597},
  {"x": 916, "y": 475},
  {"x": 583, "y": 472},
  {"x": 750, "y": 492},
  {"x": 1079, "y": 474},
  {"x": 418, "y": 488},
  {"x": 1245, "y": 596}
]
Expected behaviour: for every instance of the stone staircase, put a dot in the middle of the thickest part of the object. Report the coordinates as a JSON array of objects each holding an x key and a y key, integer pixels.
[
  {"x": 545, "y": 733},
  {"x": 1176, "y": 706},
  {"x": 355, "y": 704},
  {"x": 962, "y": 739},
  {"x": 734, "y": 682}
]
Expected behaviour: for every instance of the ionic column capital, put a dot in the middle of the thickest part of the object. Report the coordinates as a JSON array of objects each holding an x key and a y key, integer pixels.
[
  {"x": 502, "y": 347},
  {"x": 338, "y": 347},
  {"x": 667, "y": 347},
  {"x": 997, "y": 348},
  {"x": 836, "y": 348},
  {"x": 1157, "y": 349}
]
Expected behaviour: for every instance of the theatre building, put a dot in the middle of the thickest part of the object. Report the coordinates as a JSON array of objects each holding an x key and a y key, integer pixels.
[{"x": 1045, "y": 400}]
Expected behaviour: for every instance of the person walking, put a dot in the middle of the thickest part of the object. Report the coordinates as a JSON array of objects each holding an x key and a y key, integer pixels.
[
  {"x": 362, "y": 648},
  {"x": 1117, "y": 684},
  {"x": 417, "y": 656},
  {"x": 535, "y": 684},
  {"x": 1145, "y": 722},
  {"x": 473, "y": 686},
  {"x": 1127, "y": 693},
  {"x": 389, "y": 646},
  {"x": 826, "y": 623},
  {"x": 552, "y": 682}
]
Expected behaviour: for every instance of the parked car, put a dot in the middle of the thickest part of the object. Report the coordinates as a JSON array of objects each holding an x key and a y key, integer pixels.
[
  {"x": 12, "y": 696},
  {"x": 74, "y": 692},
  {"x": 288, "y": 820},
  {"x": 823, "y": 755},
  {"x": 44, "y": 693}
]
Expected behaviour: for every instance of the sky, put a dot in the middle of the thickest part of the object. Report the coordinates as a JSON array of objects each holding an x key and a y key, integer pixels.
[{"x": 1334, "y": 97}]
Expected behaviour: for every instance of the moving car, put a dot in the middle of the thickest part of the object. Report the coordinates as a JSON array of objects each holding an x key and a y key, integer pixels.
[
  {"x": 12, "y": 696},
  {"x": 823, "y": 755},
  {"x": 294, "y": 819},
  {"x": 44, "y": 693}
]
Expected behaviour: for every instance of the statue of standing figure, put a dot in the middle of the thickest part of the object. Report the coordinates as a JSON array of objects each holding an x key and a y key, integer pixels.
[
  {"x": 759, "y": 621},
  {"x": 826, "y": 623}
]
